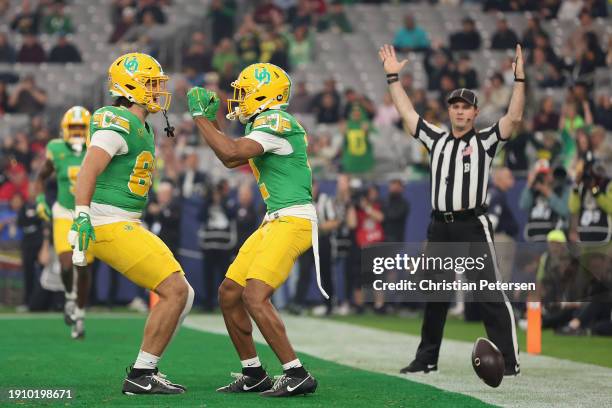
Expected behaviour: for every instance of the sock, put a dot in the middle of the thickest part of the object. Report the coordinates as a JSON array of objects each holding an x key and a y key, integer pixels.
[
  {"x": 251, "y": 362},
  {"x": 146, "y": 361},
  {"x": 70, "y": 295},
  {"x": 292, "y": 364},
  {"x": 78, "y": 313}
]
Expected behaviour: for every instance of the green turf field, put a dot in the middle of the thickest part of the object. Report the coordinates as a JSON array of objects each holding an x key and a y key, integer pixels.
[
  {"x": 36, "y": 352},
  {"x": 584, "y": 349}
]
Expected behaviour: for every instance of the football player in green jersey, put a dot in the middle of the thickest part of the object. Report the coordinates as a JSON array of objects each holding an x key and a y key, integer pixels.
[
  {"x": 275, "y": 147},
  {"x": 111, "y": 192},
  {"x": 64, "y": 157}
]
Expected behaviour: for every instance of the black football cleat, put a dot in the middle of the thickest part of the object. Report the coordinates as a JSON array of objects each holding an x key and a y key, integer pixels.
[
  {"x": 78, "y": 329},
  {"x": 245, "y": 383},
  {"x": 69, "y": 308},
  {"x": 419, "y": 367},
  {"x": 288, "y": 386},
  {"x": 150, "y": 383}
]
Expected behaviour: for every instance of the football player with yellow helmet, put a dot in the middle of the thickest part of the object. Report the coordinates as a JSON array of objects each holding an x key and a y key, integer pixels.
[
  {"x": 64, "y": 157},
  {"x": 111, "y": 192},
  {"x": 275, "y": 146}
]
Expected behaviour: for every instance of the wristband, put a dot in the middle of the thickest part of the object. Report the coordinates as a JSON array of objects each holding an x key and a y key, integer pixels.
[
  {"x": 392, "y": 80},
  {"x": 519, "y": 79},
  {"x": 81, "y": 209}
]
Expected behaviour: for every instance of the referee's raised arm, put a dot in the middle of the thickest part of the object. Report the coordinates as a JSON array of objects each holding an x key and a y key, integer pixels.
[
  {"x": 511, "y": 120},
  {"x": 392, "y": 68}
]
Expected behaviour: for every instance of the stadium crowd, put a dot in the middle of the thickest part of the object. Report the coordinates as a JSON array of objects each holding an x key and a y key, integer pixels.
[{"x": 565, "y": 135}]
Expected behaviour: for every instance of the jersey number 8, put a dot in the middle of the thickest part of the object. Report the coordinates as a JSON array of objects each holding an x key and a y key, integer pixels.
[{"x": 140, "y": 179}]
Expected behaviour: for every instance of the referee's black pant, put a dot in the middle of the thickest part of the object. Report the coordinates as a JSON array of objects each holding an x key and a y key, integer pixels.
[{"x": 497, "y": 315}]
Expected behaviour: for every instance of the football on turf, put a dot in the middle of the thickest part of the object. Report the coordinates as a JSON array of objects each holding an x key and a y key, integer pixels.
[{"x": 488, "y": 362}]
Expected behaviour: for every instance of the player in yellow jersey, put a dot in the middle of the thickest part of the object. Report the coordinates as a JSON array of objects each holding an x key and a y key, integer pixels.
[
  {"x": 64, "y": 157},
  {"x": 111, "y": 192}
]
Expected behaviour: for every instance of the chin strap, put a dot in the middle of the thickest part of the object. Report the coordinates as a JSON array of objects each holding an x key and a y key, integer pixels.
[{"x": 169, "y": 129}]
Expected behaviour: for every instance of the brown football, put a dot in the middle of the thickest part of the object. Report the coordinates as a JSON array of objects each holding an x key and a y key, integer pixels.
[{"x": 488, "y": 362}]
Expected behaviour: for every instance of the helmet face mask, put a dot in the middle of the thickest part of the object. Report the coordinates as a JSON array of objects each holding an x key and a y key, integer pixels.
[
  {"x": 140, "y": 79},
  {"x": 258, "y": 87}
]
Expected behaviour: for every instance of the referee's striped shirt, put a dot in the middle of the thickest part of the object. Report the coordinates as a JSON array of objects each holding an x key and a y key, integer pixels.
[{"x": 459, "y": 166}]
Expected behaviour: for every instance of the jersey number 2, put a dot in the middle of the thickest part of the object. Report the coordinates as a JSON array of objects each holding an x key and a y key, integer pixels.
[{"x": 140, "y": 179}]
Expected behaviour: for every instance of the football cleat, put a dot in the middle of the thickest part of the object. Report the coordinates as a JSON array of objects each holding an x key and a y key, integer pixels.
[
  {"x": 419, "y": 367},
  {"x": 69, "y": 308},
  {"x": 488, "y": 362},
  {"x": 287, "y": 386},
  {"x": 245, "y": 383},
  {"x": 150, "y": 383},
  {"x": 78, "y": 329}
]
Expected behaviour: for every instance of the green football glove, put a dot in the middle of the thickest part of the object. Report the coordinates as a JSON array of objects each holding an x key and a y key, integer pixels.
[
  {"x": 42, "y": 208},
  {"x": 81, "y": 232},
  {"x": 203, "y": 102}
]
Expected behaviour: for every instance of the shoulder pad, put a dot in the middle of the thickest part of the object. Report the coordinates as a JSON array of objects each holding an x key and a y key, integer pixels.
[
  {"x": 275, "y": 121},
  {"x": 109, "y": 117}
]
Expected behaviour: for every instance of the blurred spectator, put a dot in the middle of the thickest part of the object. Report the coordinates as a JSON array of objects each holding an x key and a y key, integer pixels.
[
  {"x": 18, "y": 149},
  {"x": 504, "y": 38},
  {"x": 603, "y": 111},
  {"x": 447, "y": 85},
  {"x": 516, "y": 148},
  {"x": 571, "y": 120},
  {"x": 247, "y": 220},
  {"x": 548, "y": 146},
  {"x": 386, "y": 113},
  {"x": 222, "y": 14},
  {"x": 326, "y": 104},
  {"x": 496, "y": 96},
  {"x": 9, "y": 228},
  {"x": 31, "y": 51},
  {"x": 543, "y": 42},
  {"x": 322, "y": 150},
  {"x": 570, "y": 9},
  {"x": 336, "y": 18},
  {"x": 353, "y": 99},
  {"x": 542, "y": 73},
  {"x": 145, "y": 36},
  {"x": 224, "y": 54},
  {"x": 343, "y": 240},
  {"x": 410, "y": 37},
  {"x": 300, "y": 99},
  {"x": 26, "y": 20},
  {"x": 7, "y": 51},
  {"x": 56, "y": 21},
  {"x": 357, "y": 150},
  {"x": 217, "y": 239},
  {"x": 17, "y": 183},
  {"x": 279, "y": 53},
  {"x": 504, "y": 224},
  {"x": 264, "y": 11},
  {"x": 465, "y": 74},
  {"x": 533, "y": 29},
  {"x": 247, "y": 41},
  {"x": 545, "y": 199},
  {"x": 163, "y": 216},
  {"x": 32, "y": 228},
  {"x": 27, "y": 97},
  {"x": 546, "y": 118},
  {"x": 192, "y": 182},
  {"x": 601, "y": 145},
  {"x": 396, "y": 211},
  {"x": 300, "y": 48},
  {"x": 126, "y": 22},
  {"x": 64, "y": 51},
  {"x": 589, "y": 56},
  {"x": 303, "y": 14},
  {"x": 198, "y": 56},
  {"x": 150, "y": 6},
  {"x": 437, "y": 64},
  {"x": 4, "y": 106},
  {"x": 468, "y": 39}
]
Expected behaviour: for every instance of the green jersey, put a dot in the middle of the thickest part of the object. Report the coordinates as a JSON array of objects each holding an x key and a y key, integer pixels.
[
  {"x": 67, "y": 164},
  {"x": 357, "y": 153},
  {"x": 283, "y": 180},
  {"x": 126, "y": 180}
]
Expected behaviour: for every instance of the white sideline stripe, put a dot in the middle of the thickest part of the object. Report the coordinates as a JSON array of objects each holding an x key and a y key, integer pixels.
[{"x": 544, "y": 382}]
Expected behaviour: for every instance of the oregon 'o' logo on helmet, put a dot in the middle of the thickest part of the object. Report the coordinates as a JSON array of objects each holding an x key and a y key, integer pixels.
[{"x": 263, "y": 76}]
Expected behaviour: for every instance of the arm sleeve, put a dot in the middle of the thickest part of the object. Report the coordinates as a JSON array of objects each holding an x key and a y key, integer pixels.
[
  {"x": 110, "y": 141},
  {"x": 271, "y": 143}
]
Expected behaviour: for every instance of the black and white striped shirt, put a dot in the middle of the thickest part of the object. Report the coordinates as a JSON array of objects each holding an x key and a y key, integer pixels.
[{"x": 459, "y": 166}]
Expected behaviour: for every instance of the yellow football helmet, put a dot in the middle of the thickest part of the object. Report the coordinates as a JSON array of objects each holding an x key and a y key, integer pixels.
[
  {"x": 139, "y": 78},
  {"x": 75, "y": 127},
  {"x": 258, "y": 87}
]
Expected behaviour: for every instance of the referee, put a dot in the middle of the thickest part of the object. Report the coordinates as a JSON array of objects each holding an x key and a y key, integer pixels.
[{"x": 460, "y": 162}]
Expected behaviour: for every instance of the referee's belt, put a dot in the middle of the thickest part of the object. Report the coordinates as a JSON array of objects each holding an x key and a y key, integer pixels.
[{"x": 452, "y": 216}]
